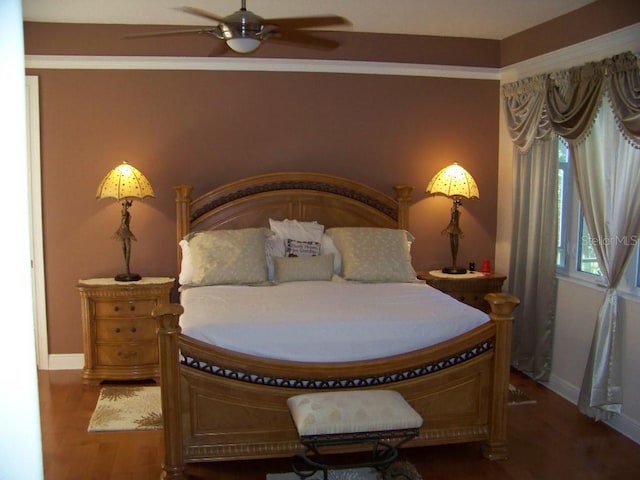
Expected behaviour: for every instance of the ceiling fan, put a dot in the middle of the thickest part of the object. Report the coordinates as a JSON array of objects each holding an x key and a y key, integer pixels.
[{"x": 243, "y": 31}]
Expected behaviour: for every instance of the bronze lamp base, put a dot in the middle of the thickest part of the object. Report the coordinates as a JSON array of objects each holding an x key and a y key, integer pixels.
[
  {"x": 454, "y": 270},
  {"x": 127, "y": 277}
]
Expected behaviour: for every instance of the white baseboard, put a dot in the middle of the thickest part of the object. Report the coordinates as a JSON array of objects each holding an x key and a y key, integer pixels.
[
  {"x": 624, "y": 424},
  {"x": 66, "y": 361}
]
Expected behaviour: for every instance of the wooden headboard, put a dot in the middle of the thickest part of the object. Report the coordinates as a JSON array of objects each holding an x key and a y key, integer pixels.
[{"x": 250, "y": 202}]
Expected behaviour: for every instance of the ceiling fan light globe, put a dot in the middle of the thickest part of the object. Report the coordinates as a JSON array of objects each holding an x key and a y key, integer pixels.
[{"x": 243, "y": 44}]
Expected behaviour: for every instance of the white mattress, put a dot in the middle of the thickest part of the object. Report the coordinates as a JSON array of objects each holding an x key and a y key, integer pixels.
[{"x": 325, "y": 321}]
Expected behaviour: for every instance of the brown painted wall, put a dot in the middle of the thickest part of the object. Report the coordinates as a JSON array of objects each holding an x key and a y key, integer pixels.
[{"x": 208, "y": 128}]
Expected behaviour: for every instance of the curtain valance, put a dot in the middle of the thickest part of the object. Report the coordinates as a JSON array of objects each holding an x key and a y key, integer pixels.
[
  {"x": 624, "y": 92},
  {"x": 567, "y": 102},
  {"x": 525, "y": 112}
]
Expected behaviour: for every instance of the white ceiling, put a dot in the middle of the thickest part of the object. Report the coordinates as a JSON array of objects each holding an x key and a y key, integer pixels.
[{"x": 491, "y": 19}]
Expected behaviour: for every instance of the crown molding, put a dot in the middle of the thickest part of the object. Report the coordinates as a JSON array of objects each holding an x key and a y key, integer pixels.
[
  {"x": 627, "y": 38},
  {"x": 77, "y": 62},
  {"x": 594, "y": 49}
]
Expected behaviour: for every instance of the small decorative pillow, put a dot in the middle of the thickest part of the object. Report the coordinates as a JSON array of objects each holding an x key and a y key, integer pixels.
[
  {"x": 374, "y": 254},
  {"x": 294, "y": 269},
  {"x": 301, "y": 248},
  {"x": 231, "y": 257}
]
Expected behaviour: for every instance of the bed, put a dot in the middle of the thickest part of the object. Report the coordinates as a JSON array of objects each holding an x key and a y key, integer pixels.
[{"x": 225, "y": 403}]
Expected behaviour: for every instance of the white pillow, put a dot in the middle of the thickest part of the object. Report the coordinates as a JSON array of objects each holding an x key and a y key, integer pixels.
[
  {"x": 327, "y": 247},
  {"x": 374, "y": 254},
  {"x": 231, "y": 257},
  {"x": 186, "y": 266}
]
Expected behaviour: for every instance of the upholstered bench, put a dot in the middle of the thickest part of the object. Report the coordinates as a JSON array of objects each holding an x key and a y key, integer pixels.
[{"x": 380, "y": 418}]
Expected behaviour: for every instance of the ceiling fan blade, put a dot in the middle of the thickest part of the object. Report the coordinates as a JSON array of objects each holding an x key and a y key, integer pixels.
[
  {"x": 219, "y": 49},
  {"x": 303, "y": 38},
  {"x": 308, "y": 22},
  {"x": 198, "y": 12},
  {"x": 172, "y": 32}
]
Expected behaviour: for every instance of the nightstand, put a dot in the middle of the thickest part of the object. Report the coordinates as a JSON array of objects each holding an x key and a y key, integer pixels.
[
  {"x": 468, "y": 288},
  {"x": 119, "y": 333}
]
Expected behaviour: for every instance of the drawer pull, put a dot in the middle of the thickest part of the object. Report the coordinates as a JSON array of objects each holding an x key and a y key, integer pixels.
[
  {"x": 133, "y": 329},
  {"x": 117, "y": 329},
  {"x": 127, "y": 355},
  {"x": 132, "y": 307}
]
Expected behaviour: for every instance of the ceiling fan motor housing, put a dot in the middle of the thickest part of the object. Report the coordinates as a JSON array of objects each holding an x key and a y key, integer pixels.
[{"x": 242, "y": 23}]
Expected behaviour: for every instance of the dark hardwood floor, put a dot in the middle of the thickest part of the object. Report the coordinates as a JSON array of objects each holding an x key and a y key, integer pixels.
[{"x": 547, "y": 441}]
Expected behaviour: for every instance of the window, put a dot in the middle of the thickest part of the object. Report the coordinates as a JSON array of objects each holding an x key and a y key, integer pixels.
[
  {"x": 587, "y": 261},
  {"x": 563, "y": 203},
  {"x": 576, "y": 256}
]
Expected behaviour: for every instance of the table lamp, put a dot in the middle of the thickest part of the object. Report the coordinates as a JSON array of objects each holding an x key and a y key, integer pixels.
[
  {"x": 456, "y": 183},
  {"x": 125, "y": 183}
]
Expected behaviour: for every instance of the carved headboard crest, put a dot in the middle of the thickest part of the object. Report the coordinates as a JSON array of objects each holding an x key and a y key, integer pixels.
[{"x": 297, "y": 185}]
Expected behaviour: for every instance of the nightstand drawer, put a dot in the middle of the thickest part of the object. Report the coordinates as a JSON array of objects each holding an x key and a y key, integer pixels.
[
  {"x": 116, "y": 330},
  {"x": 124, "y": 308},
  {"x": 117, "y": 355},
  {"x": 469, "y": 290}
]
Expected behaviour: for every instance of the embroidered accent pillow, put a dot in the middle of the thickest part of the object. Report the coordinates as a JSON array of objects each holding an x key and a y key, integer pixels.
[
  {"x": 301, "y": 248},
  {"x": 294, "y": 230}
]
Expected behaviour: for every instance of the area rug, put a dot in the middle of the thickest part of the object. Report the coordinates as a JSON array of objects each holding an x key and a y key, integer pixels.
[
  {"x": 127, "y": 408},
  {"x": 518, "y": 397},
  {"x": 400, "y": 470}
]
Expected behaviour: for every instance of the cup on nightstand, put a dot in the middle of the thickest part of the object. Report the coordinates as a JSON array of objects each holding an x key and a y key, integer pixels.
[{"x": 486, "y": 266}]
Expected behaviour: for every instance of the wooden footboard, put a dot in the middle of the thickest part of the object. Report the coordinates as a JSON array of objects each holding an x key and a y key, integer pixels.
[{"x": 220, "y": 405}]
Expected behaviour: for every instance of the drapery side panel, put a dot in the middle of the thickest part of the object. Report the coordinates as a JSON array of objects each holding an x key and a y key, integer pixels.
[
  {"x": 533, "y": 260},
  {"x": 533, "y": 256},
  {"x": 607, "y": 172}
]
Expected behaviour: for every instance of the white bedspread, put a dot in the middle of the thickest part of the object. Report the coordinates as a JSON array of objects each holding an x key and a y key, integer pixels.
[{"x": 325, "y": 321}]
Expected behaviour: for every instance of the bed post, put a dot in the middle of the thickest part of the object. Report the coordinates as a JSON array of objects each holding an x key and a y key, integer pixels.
[
  {"x": 502, "y": 307},
  {"x": 168, "y": 330},
  {"x": 403, "y": 197},
  {"x": 183, "y": 214}
]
